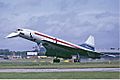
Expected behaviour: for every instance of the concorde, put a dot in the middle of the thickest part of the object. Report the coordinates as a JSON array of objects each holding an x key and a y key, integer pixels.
[{"x": 58, "y": 48}]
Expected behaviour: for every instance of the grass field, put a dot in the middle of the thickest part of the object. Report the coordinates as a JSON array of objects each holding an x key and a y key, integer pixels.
[
  {"x": 58, "y": 75},
  {"x": 61, "y": 75},
  {"x": 59, "y": 65}
]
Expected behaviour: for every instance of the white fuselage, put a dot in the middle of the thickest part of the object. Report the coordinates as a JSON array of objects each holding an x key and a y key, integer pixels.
[{"x": 38, "y": 36}]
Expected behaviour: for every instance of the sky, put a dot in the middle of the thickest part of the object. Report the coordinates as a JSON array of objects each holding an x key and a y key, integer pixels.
[{"x": 70, "y": 20}]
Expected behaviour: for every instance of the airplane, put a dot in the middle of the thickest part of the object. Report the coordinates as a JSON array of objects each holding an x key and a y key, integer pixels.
[{"x": 58, "y": 48}]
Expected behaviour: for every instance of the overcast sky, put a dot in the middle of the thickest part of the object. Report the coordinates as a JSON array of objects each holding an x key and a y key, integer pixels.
[{"x": 71, "y": 20}]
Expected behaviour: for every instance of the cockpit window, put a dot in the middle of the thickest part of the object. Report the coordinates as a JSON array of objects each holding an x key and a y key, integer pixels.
[{"x": 19, "y": 30}]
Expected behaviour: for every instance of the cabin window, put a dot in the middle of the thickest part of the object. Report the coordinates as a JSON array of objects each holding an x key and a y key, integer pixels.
[
  {"x": 19, "y": 30},
  {"x": 22, "y": 33}
]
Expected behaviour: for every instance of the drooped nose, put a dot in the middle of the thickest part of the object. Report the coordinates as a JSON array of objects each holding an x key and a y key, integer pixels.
[{"x": 13, "y": 34}]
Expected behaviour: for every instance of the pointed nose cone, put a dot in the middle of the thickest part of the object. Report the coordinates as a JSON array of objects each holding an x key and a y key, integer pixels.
[{"x": 13, "y": 34}]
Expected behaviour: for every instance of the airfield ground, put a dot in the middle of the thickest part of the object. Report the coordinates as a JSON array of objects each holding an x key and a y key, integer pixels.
[
  {"x": 37, "y": 64},
  {"x": 34, "y": 64},
  {"x": 61, "y": 75}
]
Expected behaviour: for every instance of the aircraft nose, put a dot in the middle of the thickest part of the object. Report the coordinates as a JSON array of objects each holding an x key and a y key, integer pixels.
[{"x": 13, "y": 34}]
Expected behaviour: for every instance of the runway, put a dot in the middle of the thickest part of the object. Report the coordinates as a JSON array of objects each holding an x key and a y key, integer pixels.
[{"x": 63, "y": 70}]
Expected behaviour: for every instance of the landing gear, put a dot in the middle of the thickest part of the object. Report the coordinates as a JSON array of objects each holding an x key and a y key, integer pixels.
[
  {"x": 77, "y": 58},
  {"x": 56, "y": 60},
  {"x": 42, "y": 49}
]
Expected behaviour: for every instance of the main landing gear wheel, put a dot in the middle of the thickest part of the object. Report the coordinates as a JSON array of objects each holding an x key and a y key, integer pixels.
[
  {"x": 56, "y": 60},
  {"x": 76, "y": 60}
]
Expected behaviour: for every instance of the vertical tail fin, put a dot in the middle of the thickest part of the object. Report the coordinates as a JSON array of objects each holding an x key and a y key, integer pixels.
[{"x": 89, "y": 43}]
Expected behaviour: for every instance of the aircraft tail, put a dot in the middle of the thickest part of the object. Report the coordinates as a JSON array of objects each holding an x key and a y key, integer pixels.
[{"x": 89, "y": 43}]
